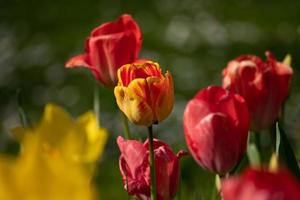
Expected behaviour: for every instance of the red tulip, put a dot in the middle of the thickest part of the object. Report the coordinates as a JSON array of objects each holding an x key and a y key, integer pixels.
[
  {"x": 216, "y": 128},
  {"x": 110, "y": 46},
  {"x": 264, "y": 85},
  {"x": 261, "y": 185},
  {"x": 135, "y": 169}
]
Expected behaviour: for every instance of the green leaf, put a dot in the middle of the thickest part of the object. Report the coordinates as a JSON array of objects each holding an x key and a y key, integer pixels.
[
  {"x": 285, "y": 151},
  {"x": 278, "y": 138},
  {"x": 253, "y": 155}
]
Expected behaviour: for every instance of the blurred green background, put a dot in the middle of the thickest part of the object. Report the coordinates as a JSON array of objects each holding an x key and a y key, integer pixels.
[{"x": 193, "y": 39}]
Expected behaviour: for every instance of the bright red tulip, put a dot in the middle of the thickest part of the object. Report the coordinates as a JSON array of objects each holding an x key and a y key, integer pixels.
[
  {"x": 261, "y": 185},
  {"x": 264, "y": 85},
  {"x": 216, "y": 126},
  {"x": 135, "y": 169},
  {"x": 110, "y": 46}
]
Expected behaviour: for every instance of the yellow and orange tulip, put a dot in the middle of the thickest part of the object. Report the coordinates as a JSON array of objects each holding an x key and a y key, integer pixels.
[{"x": 143, "y": 93}]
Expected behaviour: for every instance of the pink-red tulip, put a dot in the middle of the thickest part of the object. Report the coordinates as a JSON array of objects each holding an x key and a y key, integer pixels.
[
  {"x": 144, "y": 94},
  {"x": 216, "y": 126},
  {"x": 264, "y": 85},
  {"x": 110, "y": 46},
  {"x": 261, "y": 185},
  {"x": 135, "y": 169}
]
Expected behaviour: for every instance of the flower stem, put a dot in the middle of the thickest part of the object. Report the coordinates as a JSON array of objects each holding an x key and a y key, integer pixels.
[
  {"x": 97, "y": 103},
  {"x": 126, "y": 127},
  {"x": 152, "y": 164},
  {"x": 22, "y": 115},
  {"x": 257, "y": 140}
]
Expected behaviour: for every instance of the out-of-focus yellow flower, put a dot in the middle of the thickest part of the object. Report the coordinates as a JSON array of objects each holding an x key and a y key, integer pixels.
[
  {"x": 144, "y": 94},
  {"x": 56, "y": 159},
  {"x": 79, "y": 141}
]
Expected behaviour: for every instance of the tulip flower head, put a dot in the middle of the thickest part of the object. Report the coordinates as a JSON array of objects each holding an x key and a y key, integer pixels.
[
  {"x": 261, "y": 185},
  {"x": 110, "y": 46},
  {"x": 78, "y": 141},
  {"x": 264, "y": 85},
  {"x": 144, "y": 94},
  {"x": 135, "y": 169},
  {"x": 56, "y": 160},
  {"x": 216, "y": 125}
]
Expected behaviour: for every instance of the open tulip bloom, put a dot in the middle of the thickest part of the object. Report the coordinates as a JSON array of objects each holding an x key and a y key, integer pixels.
[
  {"x": 264, "y": 85},
  {"x": 110, "y": 46}
]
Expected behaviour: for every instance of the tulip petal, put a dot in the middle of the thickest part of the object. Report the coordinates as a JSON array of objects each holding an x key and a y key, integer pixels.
[
  {"x": 162, "y": 96},
  {"x": 123, "y": 24},
  {"x": 215, "y": 133},
  {"x": 96, "y": 137},
  {"x": 134, "y": 166},
  {"x": 140, "y": 69},
  {"x": 78, "y": 61},
  {"x": 108, "y": 53},
  {"x": 133, "y": 102}
]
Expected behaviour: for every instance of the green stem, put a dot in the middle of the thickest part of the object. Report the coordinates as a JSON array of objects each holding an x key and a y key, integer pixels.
[
  {"x": 152, "y": 163},
  {"x": 257, "y": 140},
  {"x": 22, "y": 115},
  {"x": 272, "y": 132},
  {"x": 97, "y": 104},
  {"x": 126, "y": 127}
]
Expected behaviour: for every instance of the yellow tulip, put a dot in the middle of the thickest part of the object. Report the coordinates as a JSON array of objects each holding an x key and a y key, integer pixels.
[
  {"x": 56, "y": 159},
  {"x": 143, "y": 93},
  {"x": 78, "y": 140}
]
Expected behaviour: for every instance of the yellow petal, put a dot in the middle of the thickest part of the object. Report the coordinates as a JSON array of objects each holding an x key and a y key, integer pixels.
[
  {"x": 53, "y": 158},
  {"x": 55, "y": 125},
  {"x": 132, "y": 102},
  {"x": 287, "y": 60},
  {"x": 18, "y": 133},
  {"x": 96, "y": 137}
]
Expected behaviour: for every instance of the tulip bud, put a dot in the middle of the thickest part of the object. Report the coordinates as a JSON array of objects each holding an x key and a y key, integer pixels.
[
  {"x": 110, "y": 46},
  {"x": 144, "y": 94},
  {"x": 135, "y": 169},
  {"x": 264, "y": 85},
  {"x": 261, "y": 185},
  {"x": 216, "y": 128}
]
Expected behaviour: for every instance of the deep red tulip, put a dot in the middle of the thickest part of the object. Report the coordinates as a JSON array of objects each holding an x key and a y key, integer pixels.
[
  {"x": 264, "y": 85},
  {"x": 216, "y": 125},
  {"x": 135, "y": 169},
  {"x": 110, "y": 46},
  {"x": 261, "y": 185}
]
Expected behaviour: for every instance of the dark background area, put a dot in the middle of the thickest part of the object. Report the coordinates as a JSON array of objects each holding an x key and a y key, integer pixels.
[{"x": 192, "y": 39}]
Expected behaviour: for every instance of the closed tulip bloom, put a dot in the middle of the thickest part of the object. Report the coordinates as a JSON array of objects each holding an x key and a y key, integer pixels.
[
  {"x": 264, "y": 85},
  {"x": 144, "y": 94},
  {"x": 216, "y": 125},
  {"x": 261, "y": 185},
  {"x": 135, "y": 169},
  {"x": 110, "y": 46}
]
